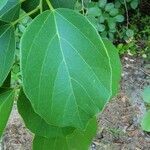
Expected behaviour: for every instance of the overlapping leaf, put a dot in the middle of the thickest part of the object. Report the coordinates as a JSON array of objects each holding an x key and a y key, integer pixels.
[
  {"x": 6, "y": 102},
  {"x": 36, "y": 124},
  {"x": 29, "y": 5},
  {"x": 78, "y": 140},
  {"x": 115, "y": 64},
  {"x": 7, "y": 50},
  {"x": 2, "y": 3},
  {"x": 67, "y": 68},
  {"x": 10, "y": 11}
]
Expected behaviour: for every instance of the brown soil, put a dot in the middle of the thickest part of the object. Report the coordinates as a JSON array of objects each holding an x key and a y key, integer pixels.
[{"x": 120, "y": 121}]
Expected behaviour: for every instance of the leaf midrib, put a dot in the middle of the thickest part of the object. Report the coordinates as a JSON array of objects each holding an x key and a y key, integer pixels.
[
  {"x": 57, "y": 32},
  {"x": 95, "y": 47}
]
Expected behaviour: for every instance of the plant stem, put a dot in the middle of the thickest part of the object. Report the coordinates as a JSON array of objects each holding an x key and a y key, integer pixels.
[
  {"x": 21, "y": 1},
  {"x": 82, "y": 7},
  {"x": 127, "y": 15},
  {"x": 41, "y": 6},
  {"x": 28, "y": 14},
  {"x": 49, "y": 5}
]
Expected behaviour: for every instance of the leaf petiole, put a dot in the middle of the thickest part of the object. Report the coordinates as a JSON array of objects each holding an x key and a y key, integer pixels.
[
  {"x": 49, "y": 5},
  {"x": 27, "y": 14},
  {"x": 21, "y": 1},
  {"x": 41, "y": 6}
]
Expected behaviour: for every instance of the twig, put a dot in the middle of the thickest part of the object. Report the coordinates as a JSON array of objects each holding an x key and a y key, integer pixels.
[
  {"x": 49, "y": 5},
  {"x": 127, "y": 14},
  {"x": 28, "y": 14}
]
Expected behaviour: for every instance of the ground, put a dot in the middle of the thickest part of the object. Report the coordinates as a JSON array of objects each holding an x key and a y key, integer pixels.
[{"x": 119, "y": 124}]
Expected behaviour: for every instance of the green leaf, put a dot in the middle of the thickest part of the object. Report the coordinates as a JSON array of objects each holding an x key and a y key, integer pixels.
[
  {"x": 109, "y": 7},
  {"x": 134, "y": 4},
  {"x": 115, "y": 61},
  {"x": 101, "y": 19},
  {"x": 93, "y": 20},
  {"x": 29, "y": 5},
  {"x": 35, "y": 123},
  {"x": 146, "y": 94},
  {"x": 119, "y": 18},
  {"x": 70, "y": 83},
  {"x": 7, "y": 50},
  {"x": 112, "y": 23},
  {"x": 94, "y": 11},
  {"x": 111, "y": 36},
  {"x": 10, "y": 12},
  {"x": 2, "y": 3},
  {"x": 102, "y": 3},
  {"x": 113, "y": 12},
  {"x": 6, "y": 84},
  {"x": 78, "y": 140},
  {"x": 104, "y": 34},
  {"x": 117, "y": 4},
  {"x": 6, "y": 103},
  {"x": 145, "y": 123},
  {"x": 129, "y": 33},
  {"x": 100, "y": 27}
]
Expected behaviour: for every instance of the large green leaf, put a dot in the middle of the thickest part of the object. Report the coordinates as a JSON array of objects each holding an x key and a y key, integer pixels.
[
  {"x": 7, "y": 50},
  {"x": 67, "y": 68},
  {"x": 115, "y": 63},
  {"x": 35, "y": 123},
  {"x": 6, "y": 102},
  {"x": 10, "y": 11},
  {"x": 78, "y": 140}
]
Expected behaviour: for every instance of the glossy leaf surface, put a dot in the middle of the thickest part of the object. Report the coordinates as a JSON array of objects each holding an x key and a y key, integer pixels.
[
  {"x": 115, "y": 64},
  {"x": 35, "y": 123},
  {"x": 7, "y": 50},
  {"x": 67, "y": 68},
  {"x": 6, "y": 102},
  {"x": 78, "y": 140},
  {"x": 29, "y": 5},
  {"x": 2, "y": 3},
  {"x": 10, "y": 11}
]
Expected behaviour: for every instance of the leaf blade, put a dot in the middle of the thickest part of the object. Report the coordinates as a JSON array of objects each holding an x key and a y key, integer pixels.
[
  {"x": 6, "y": 103},
  {"x": 7, "y": 46},
  {"x": 10, "y": 11},
  {"x": 80, "y": 140},
  {"x": 71, "y": 94},
  {"x": 35, "y": 123}
]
